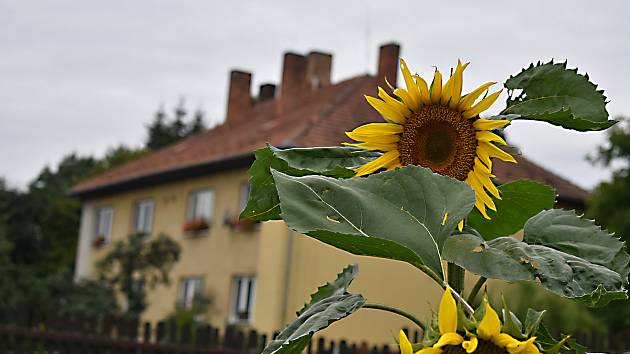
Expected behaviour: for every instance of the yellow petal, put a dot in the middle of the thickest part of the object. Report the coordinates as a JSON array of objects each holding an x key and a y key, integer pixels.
[
  {"x": 480, "y": 193},
  {"x": 436, "y": 87},
  {"x": 404, "y": 95},
  {"x": 484, "y": 179},
  {"x": 470, "y": 345},
  {"x": 490, "y": 325},
  {"x": 460, "y": 226},
  {"x": 449, "y": 339},
  {"x": 526, "y": 347},
  {"x": 403, "y": 342},
  {"x": 379, "y": 129},
  {"x": 373, "y": 146},
  {"x": 478, "y": 187},
  {"x": 394, "y": 103},
  {"x": 482, "y": 208},
  {"x": 483, "y": 155},
  {"x": 447, "y": 91},
  {"x": 494, "y": 151},
  {"x": 423, "y": 88},
  {"x": 444, "y": 218},
  {"x": 481, "y": 106},
  {"x": 489, "y": 124},
  {"x": 447, "y": 313},
  {"x": 430, "y": 351},
  {"x": 412, "y": 89},
  {"x": 504, "y": 340},
  {"x": 482, "y": 168},
  {"x": 385, "y": 110},
  {"x": 375, "y": 139},
  {"x": 452, "y": 91},
  {"x": 457, "y": 85},
  {"x": 470, "y": 98},
  {"x": 484, "y": 135},
  {"x": 380, "y": 162}
]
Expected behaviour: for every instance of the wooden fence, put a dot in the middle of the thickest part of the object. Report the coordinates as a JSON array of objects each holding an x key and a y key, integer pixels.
[
  {"x": 106, "y": 335},
  {"x": 75, "y": 334}
]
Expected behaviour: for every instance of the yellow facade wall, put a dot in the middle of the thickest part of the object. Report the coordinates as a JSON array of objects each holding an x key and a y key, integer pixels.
[{"x": 288, "y": 267}]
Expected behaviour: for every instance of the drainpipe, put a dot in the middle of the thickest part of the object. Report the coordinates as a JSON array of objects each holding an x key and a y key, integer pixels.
[{"x": 287, "y": 276}]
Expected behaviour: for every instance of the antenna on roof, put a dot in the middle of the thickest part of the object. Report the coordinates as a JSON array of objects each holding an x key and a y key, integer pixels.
[{"x": 368, "y": 45}]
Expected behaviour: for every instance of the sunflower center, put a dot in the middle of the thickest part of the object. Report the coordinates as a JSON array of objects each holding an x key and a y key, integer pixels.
[
  {"x": 439, "y": 138},
  {"x": 484, "y": 347}
]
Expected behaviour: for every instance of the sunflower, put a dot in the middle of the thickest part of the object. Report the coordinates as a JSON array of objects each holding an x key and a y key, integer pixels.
[
  {"x": 488, "y": 338},
  {"x": 438, "y": 128}
]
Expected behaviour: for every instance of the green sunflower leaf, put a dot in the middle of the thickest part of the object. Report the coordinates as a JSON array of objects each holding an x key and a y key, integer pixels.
[
  {"x": 550, "y": 345},
  {"x": 532, "y": 321},
  {"x": 397, "y": 214},
  {"x": 552, "y": 93},
  {"x": 570, "y": 256},
  {"x": 337, "y": 162},
  {"x": 565, "y": 231},
  {"x": 330, "y": 303},
  {"x": 336, "y": 287},
  {"x": 520, "y": 200},
  {"x": 511, "y": 324}
]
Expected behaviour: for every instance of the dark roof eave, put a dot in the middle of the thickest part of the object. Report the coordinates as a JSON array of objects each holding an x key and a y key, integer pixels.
[{"x": 197, "y": 170}]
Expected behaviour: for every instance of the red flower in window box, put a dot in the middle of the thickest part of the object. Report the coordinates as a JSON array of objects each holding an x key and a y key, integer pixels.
[
  {"x": 196, "y": 225},
  {"x": 98, "y": 241},
  {"x": 242, "y": 225}
]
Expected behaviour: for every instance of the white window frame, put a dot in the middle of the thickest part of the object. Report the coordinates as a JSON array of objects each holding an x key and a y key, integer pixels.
[
  {"x": 189, "y": 288},
  {"x": 192, "y": 207},
  {"x": 143, "y": 211},
  {"x": 243, "y": 297},
  {"x": 100, "y": 229},
  {"x": 245, "y": 189}
]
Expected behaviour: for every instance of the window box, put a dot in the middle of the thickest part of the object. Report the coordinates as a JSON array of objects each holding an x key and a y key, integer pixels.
[
  {"x": 242, "y": 225},
  {"x": 98, "y": 241},
  {"x": 196, "y": 226}
]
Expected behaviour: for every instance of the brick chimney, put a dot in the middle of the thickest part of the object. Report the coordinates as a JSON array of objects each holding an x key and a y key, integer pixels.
[
  {"x": 388, "y": 64},
  {"x": 318, "y": 67},
  {"x": 239, "y": 99},
  {"x": 266, "y": 92},
  {"x": 294, "y": 84}
]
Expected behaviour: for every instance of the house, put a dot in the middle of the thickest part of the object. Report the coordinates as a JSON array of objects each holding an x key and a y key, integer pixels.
[{"x": 259, "y": 276}]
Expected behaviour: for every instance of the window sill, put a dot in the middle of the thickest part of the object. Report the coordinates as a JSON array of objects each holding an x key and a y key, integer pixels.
[
  {"x": 243, "y": 226},
  {"x": 196, "y": 233},
  {"x": 99, "y": 243}
]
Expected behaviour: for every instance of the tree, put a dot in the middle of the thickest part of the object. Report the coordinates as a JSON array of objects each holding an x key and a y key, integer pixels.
[
  {"x": 164, "y": 131},
  {"x": 610, "y": 205},
  {"x": 136, "y": 264}
]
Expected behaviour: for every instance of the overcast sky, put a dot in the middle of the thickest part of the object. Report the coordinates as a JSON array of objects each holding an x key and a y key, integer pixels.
[{"x": 86, "y": 75}]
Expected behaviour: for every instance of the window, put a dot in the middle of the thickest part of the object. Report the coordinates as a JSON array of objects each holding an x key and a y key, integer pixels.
[
  {"x": 200, "y": 205},
  {"x": 189, "y": 288},
  {"x": 104, "y": 224},
  {"x": 244, "y": 196},
  {"x": 143, "y": 216},
  {"x": 243, "y": 288}
]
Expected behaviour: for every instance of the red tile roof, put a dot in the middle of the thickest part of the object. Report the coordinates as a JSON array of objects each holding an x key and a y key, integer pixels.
[{"x": 320, "y": 120}]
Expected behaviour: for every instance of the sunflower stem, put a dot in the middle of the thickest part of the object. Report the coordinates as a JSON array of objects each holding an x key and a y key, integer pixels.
[
  {"x": 443, "y": 284},
  {"x": 399, "y": 312},
  {"x": 455, "y": 277},
  {"x": 475, "y": 290}
]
